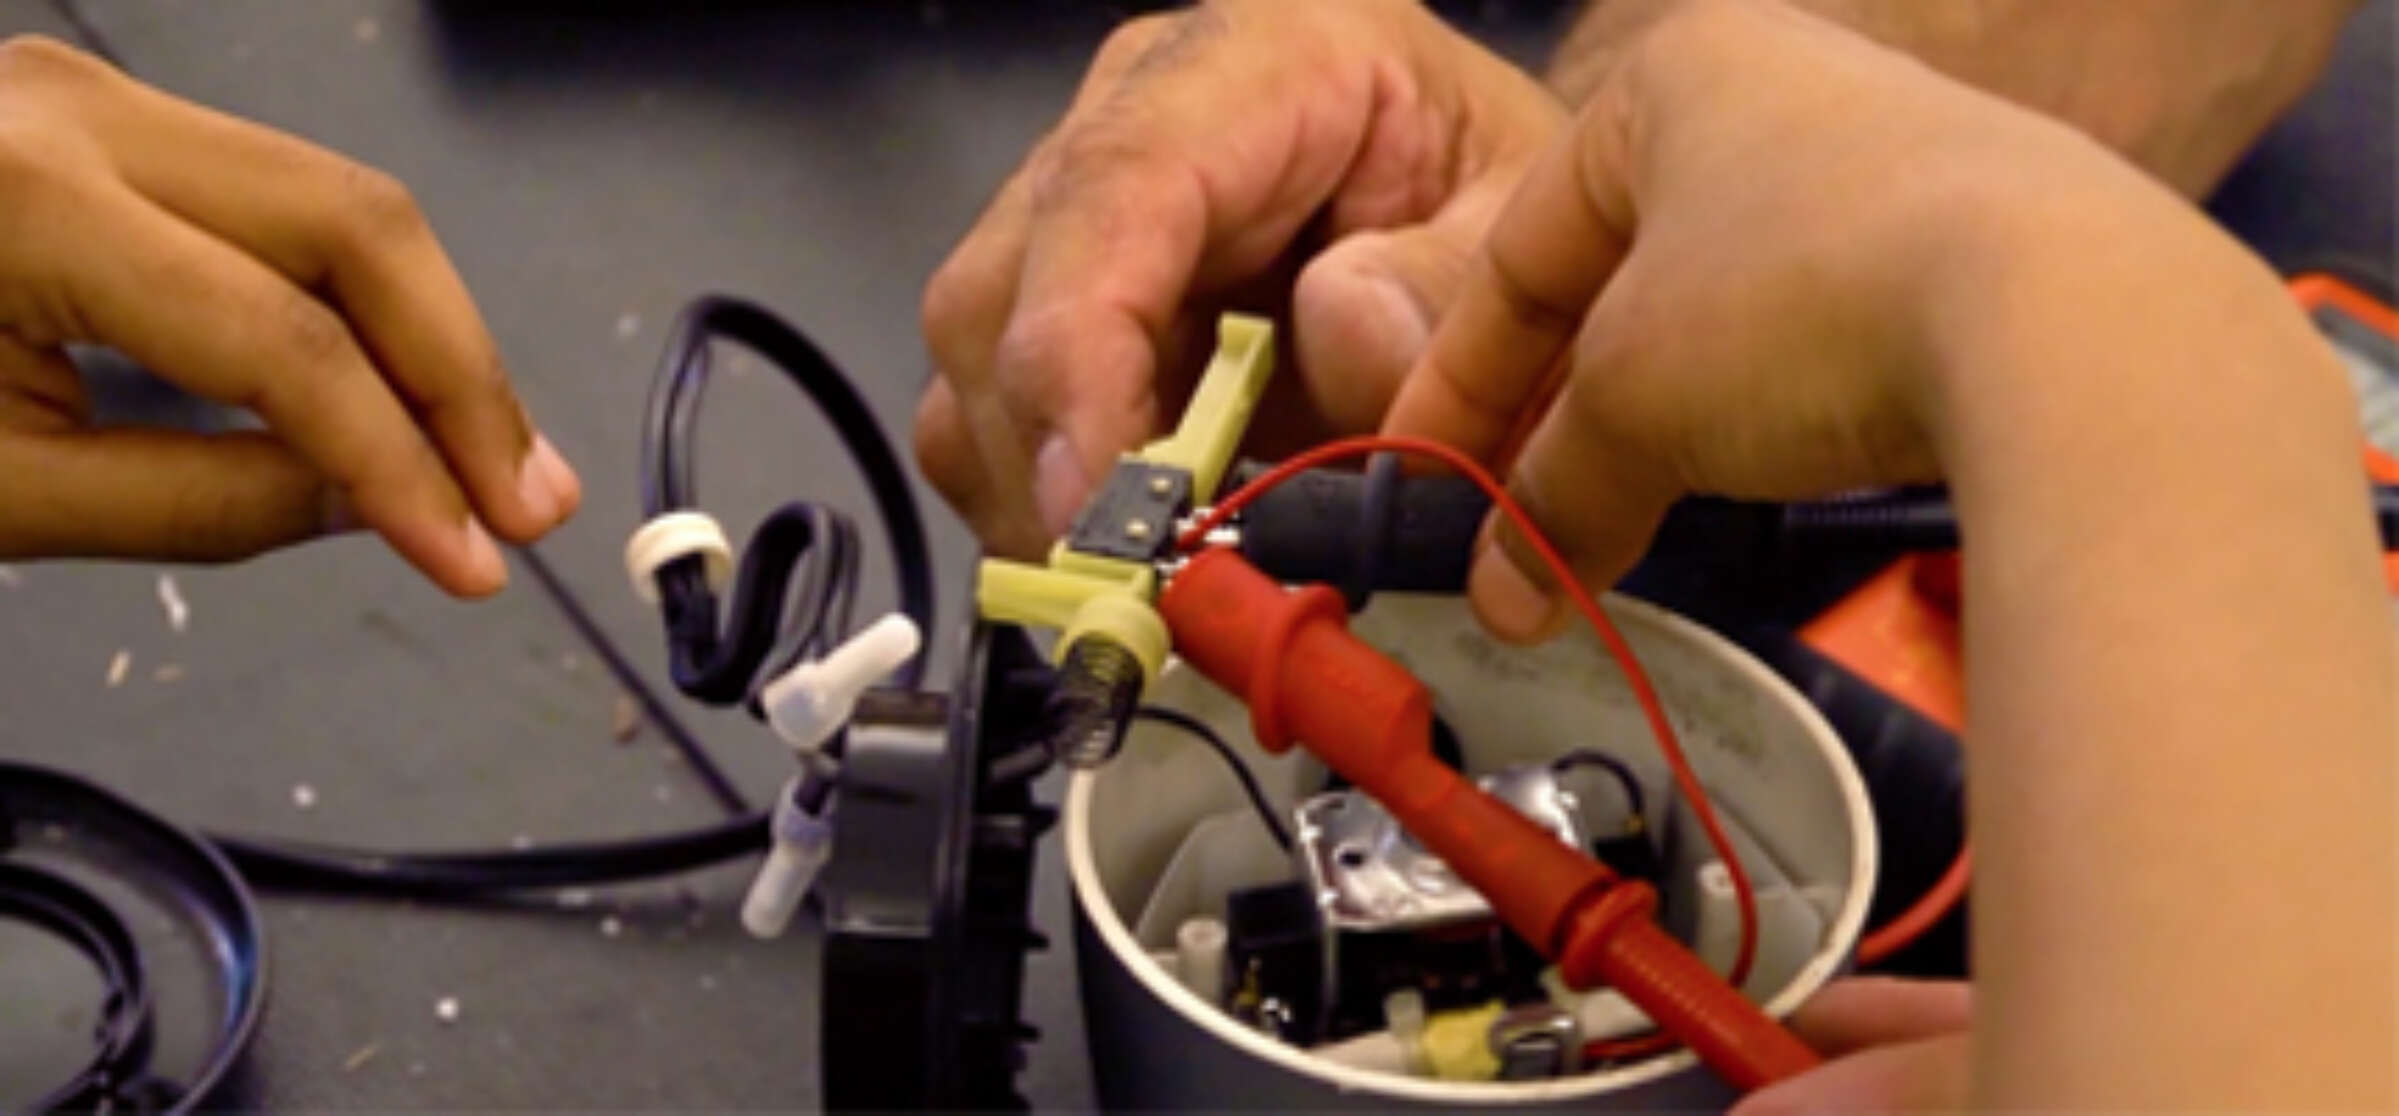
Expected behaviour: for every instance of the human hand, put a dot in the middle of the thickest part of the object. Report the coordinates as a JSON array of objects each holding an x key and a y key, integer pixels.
[
  {"x": 1361, "y": 144},
  {"x": 254, "y": 269},
  {"x": 2180, "y": 88},
  {"x": 1890, "y": 1045},
  {"x": 1742, "y": 254}
]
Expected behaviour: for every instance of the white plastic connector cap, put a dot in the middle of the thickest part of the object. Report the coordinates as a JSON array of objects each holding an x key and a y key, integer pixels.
[
  {"x": 670, "y": 537},
  {"x": 811, "y": 701},
  {"x": 803, "y": 842},
  {"x": 1200, "y": 957},
  {"x": 1404, "y": 1019}
]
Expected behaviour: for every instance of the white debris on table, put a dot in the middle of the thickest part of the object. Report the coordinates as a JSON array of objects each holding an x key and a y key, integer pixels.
[
  {"x": 446, "y": 1009},
  {"x": 118, "y": 665},
  {"x": 167, "y": 672},
  {"x": 170, "y": 597},
  {"x": 361, "y": 1057},
  {"x": 611, "y": 926},
  {"x": 627, "y": 324},
  {"x": 304, "y": 796},
  {"x": 625, "y": 721}
]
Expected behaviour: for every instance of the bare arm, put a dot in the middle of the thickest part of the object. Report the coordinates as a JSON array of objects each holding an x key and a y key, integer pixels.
[
  {"x": 2180, "y": 657},
  {"x": 1777, "y": 262}
]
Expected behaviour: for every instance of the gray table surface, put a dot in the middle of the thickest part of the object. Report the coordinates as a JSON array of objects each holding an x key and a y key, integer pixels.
[{"x": 590, "y": 168}]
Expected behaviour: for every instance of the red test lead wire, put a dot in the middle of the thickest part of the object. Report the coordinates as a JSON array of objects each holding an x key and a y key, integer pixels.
[
  {"x": 1685, "y": 780},
  {"x": 1305, "y": 676}
]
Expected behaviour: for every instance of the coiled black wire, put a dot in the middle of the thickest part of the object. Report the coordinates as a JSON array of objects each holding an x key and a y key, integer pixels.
[
  {"x": 820, "y": 615},
  {"x": 726, "y": 668}
]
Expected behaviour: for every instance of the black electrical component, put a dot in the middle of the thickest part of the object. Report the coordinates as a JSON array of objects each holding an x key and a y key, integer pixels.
[
  {"x": 1133, "y": 514},
  {"x": 1452, "y": 967},
  {"x": 1275, "y": 951}
]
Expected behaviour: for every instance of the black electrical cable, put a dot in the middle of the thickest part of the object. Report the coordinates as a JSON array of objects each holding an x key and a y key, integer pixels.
[
  {"x": 723, "y": 670},
  {"x": 720, "y": 785},
  {"x": 668, "y": 425},
  {"x": 304, "y": 867},
  {"x": 820, "y": 615},
  {"x": 81, "y": 26},
  {"x": 467, "y": 874},
  {"x": 1248, "y": 779},
  {"x": 1591, "y": 757}
]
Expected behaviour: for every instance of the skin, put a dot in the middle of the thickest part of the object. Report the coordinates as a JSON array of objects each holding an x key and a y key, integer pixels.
[
  {"x": 2181, "y": 87},
  {"x": 1344, "y": 156},
  {"x": 248, "y": 267},
  {"x": 1337, "y": 162},
  {"x": 2153, "y": 454}
]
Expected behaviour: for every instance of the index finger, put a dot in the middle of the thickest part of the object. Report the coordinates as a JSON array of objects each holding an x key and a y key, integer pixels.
[
  {"x": 1525, "y": 296},
  {"x": 331, "y": 224},
  {"x": 1150, "y": 195},
  {"x": 223, "y": 325}
]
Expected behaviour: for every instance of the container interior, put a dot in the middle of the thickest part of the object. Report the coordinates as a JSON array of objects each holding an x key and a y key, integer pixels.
[{"x": 1167, "y": 835}]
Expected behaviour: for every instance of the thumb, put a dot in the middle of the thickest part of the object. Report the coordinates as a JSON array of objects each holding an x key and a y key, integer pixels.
[
  {"x": 1364, "y": 308},
  {"x": 1591, "y": 480},
  {"x": 1920, "y": 1076},
  {"x": 158, "y": 494}
]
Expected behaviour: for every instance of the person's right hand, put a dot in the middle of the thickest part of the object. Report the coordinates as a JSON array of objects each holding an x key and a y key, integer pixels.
[
  {"x": 1207, "y": 151},
  {"x": 1746, "y": 258}
]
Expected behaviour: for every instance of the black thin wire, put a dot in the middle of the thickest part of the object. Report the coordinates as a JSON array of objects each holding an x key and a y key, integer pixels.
[
  {"x": 1591, "y": 757},
  {"x": 304, "y": 867},
  {"x": 720, "y": 786},
  {"x": 85, "y": 33},
  {"x": 1249, "y": 779}
]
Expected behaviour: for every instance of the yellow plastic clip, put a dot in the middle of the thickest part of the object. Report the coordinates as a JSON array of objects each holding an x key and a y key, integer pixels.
[
  {"x": 1220, "y": 410},
  {"x": 1085, "y": 594}
]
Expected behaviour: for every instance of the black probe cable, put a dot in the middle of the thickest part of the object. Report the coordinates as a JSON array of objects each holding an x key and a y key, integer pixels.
[{"x": 1377, "y": 531}]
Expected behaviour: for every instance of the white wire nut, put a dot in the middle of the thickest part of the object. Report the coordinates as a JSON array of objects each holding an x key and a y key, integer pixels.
[
  {"x": 673, "y": 536},
  {"x": 803, "y": 842},
  {"x": 811, "y": 701}
]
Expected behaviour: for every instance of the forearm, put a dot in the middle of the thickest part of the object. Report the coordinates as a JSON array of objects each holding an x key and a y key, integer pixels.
[{"x": 2181, "y": 675}]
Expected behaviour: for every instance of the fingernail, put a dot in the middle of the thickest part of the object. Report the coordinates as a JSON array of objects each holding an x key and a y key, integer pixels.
[
  {"x": 485, "y": 570},
  {"x": 544, "y": 481},
  {"x": 1059, "y": 486},
  {"x": 1510, "y": 604}
]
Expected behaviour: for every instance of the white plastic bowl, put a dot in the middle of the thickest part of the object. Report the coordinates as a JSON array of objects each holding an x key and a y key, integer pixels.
[{"x": 1768, "y": 759}]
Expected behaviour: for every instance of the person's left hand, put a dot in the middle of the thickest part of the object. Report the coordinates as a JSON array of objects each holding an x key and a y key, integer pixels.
[
  {"x": 1890, "y": 1045},
  {"x": 254, "y": 269}
]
